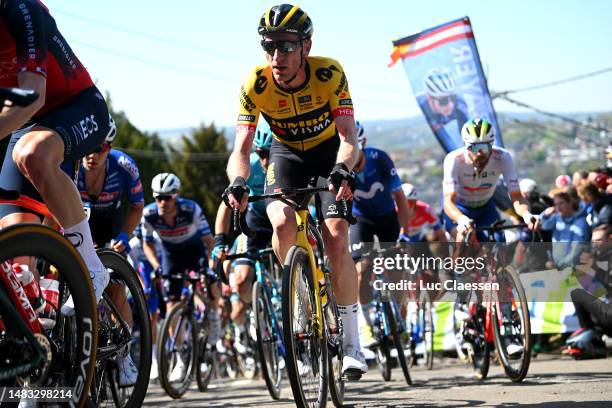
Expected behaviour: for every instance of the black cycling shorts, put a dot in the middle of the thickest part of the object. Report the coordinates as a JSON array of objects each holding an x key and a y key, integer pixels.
[
  {"x": 82, "y": 123},
  {"x": 294, "y": 168},
  {"x": 261, "y": 240},
  {"x": 361, "y": 234},
  {"x": 176, "y": 264}
]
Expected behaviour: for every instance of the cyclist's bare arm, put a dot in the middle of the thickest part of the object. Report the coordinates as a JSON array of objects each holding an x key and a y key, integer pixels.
[
  {"x": 403, "y": 213},
  {"x": 209, "y": 242},
  {"x": 222, "y": 222},
  {"x": 13, "y": 117},
  {"x": 348, "y": 152},
  {"x": 239, "y": 164},
  {"x": 149, "y": 250},
  {"x": 450, "y": 208}
]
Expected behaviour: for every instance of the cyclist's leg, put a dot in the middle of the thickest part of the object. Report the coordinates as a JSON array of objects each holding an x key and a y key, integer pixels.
[
  {"x": 33, "y": 166},
  {"x": 344, "y": 282},
  {"x": 360, "y": 235}
]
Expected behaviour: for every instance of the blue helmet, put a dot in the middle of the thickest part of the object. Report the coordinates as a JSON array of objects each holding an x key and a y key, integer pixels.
[{"x": 263, "y": 136}]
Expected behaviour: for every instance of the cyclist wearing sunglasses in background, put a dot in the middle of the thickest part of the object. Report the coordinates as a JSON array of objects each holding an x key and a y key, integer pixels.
[
  {"x": 471, "y": 174},
  {"x": 440, "y": 103},
  {"x": 258, "y": 221},
  {"x": 307, "y": 103},
  {"x": 69, "y": 120},
  {"x": 185, "y": 239}
]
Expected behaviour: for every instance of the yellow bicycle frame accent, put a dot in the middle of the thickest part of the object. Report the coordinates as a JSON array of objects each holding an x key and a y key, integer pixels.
[{"x": 301, "y": 217}]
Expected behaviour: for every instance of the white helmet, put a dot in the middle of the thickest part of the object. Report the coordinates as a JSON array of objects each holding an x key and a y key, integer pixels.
[
  {"x": 165, "y": 183},
  {"x": 528, "y": 186},
  {"x": 410, "y": 191},
  {"x": 439, "y": 82},
  {"x": 477, "y": 130},
  {"x": 112, "y": 130}
]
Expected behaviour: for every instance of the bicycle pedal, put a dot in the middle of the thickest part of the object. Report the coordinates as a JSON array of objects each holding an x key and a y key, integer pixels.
[{"x": 352, "y": 375}]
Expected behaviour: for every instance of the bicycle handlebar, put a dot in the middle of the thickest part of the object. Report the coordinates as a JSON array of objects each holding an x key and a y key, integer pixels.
[{"x": 18, "y": 96}]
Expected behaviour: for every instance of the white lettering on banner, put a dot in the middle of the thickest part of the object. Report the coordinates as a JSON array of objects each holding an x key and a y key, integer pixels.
[{"x": 467, "y": 74}]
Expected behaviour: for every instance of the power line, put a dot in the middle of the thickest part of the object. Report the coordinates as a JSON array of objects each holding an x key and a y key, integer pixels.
[
  {"x": 167, "y": 155},
  {"x": 555, "y": 115},
  {"x": 553, "y": 83}
]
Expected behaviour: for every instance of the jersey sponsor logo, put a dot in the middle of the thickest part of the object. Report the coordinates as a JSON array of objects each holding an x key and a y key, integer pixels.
[
  {"x": 246, "y": 118},
  {"x": 245, "y": 101},
  {"x": 346, "y": 101},
  {"x": 332, "y": 210},
  {"x": 342, "y": 86},
  {"x": 129, "y": 166},
  {"x": 282, "y": 103},
  {"x": 312, "y": 126},
  {"x": 260, "y": 83},
  {"x": 366, "y": 195},
  {"x": 342, "y": 112},
  {"x": 305, "y": 99},
  {"x": 324, "y": 74},
  {"x": 270, "y": 177}
]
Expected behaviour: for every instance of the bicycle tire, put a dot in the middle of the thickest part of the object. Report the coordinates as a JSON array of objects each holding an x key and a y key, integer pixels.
[
  {"x": 516, "y": 375},
  {"x": 265, "y": 337},
  {"x": 121, "y": 270},
  {"x": 181, "y": 312},
  {"x": 481, "y": 350},
  {"x": 426, "y": 325},
  {"x": 383, "y": 360},
  {"x": 43, "y": 242},
  {"x": 397, "y": 339},
  {"x": 205, "y": 353},
  {"x": 334, "y": 352},
  {"x": 297, "y": 266}
]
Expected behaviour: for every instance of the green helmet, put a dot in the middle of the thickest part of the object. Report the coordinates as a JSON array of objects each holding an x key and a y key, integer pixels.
[{"x": 263, "y": 136}]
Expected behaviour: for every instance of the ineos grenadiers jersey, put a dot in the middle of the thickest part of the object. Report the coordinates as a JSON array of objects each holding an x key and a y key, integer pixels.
[
  {"x": 121, "y": 176},
  {"x": 473, "y": 189},
  {"x": 300, "y": 118},
  {"x": 189, "y": 228},
  {"x": 31, "y": 42},
  {"x": 372, "y": 196},
  {"x": 256, "y": 183}
]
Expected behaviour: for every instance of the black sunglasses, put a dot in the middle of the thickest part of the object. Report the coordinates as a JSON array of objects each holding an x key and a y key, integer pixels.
[
  {"x": 164, "y": 197},
  {"x": 445, "y": 100},
  {"x": 100, "y": 148},
  {"x": 284, "y": 46},
  {"x": 263, "y": 154}
]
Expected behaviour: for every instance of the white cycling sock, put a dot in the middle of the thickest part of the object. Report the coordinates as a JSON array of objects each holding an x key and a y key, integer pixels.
[
  {"x": 348, "y": 314},
  {"x": 80, "y": 236}
]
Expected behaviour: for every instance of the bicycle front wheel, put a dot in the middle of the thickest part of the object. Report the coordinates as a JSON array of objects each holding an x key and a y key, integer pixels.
[
  {"x": 73, "y": 361},
  {"x": 398, "y": 338},
  {"x": 426, "y": 325},
  {"x": 267, "y": 341},
  {"x": 176, "y": 350},
  {"x": 306, "y": 351},
  {"x": 511, "y": 325}
]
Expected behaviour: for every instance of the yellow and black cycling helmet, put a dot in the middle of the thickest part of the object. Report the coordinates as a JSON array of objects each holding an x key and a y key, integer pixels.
[
  {"x": 477, "y": 130},
  {"x": 285, "y": 18}
]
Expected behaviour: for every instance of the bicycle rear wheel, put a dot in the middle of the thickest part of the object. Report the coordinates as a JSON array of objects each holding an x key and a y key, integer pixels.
[
  {"x": 306, "y": 352},
  {"x": 398, "y": 338},
  {"x": 267, "y": 340},
  {"x": 205, "y": 352},
  {"x": 123, "y": 278},
  {"x": 176, "y": 350},
  {"x": 514, "y": 327},
  {"x": 333, "y": 324},
  {"x": 73, "y": 361},
  {"x": 481, "y": 351}
]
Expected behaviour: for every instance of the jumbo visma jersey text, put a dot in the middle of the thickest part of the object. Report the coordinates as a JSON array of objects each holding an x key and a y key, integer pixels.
[{"x": 300, "y": 118}]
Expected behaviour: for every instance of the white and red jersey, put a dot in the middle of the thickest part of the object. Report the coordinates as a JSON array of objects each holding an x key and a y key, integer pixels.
[{"x": 476, "y": 189}]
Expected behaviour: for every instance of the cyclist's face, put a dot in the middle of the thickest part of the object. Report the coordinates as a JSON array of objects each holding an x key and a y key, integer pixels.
[
  {"x": 480, "y": 158},
  {"x": 444, "y": 105},
  {"x": 165, "y": 203},
  {"x": 96, "y": 159},
  {"x": 285, "y": 56}
]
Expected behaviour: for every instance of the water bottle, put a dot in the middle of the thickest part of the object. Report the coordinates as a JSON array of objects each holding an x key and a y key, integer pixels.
[
  {"x": 50, "y": 291},
  {"x": 30, "y": 286}
]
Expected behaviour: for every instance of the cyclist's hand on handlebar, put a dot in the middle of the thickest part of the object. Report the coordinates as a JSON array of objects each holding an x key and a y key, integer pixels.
[
  {"x": 236, "y": 195},
  {"x": 531, "y": 220},
  {"x": 342, "y": 182},
  {"x": 219, "y": 252},
  {"x": 121, "y": 243},
  {"x": 465, "y": 225}
]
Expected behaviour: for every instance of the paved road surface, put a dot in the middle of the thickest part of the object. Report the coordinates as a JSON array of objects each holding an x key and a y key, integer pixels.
[{"x": 552, "y": 382}]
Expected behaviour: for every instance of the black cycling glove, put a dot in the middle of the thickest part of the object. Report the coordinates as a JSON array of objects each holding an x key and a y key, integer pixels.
[
  {"x": 340, "y": 173},
  {"x": 237, "y": 189}
]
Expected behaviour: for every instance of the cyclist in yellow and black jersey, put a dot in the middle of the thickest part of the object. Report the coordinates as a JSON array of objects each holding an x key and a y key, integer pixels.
[{"x": 307, "y": 103}]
